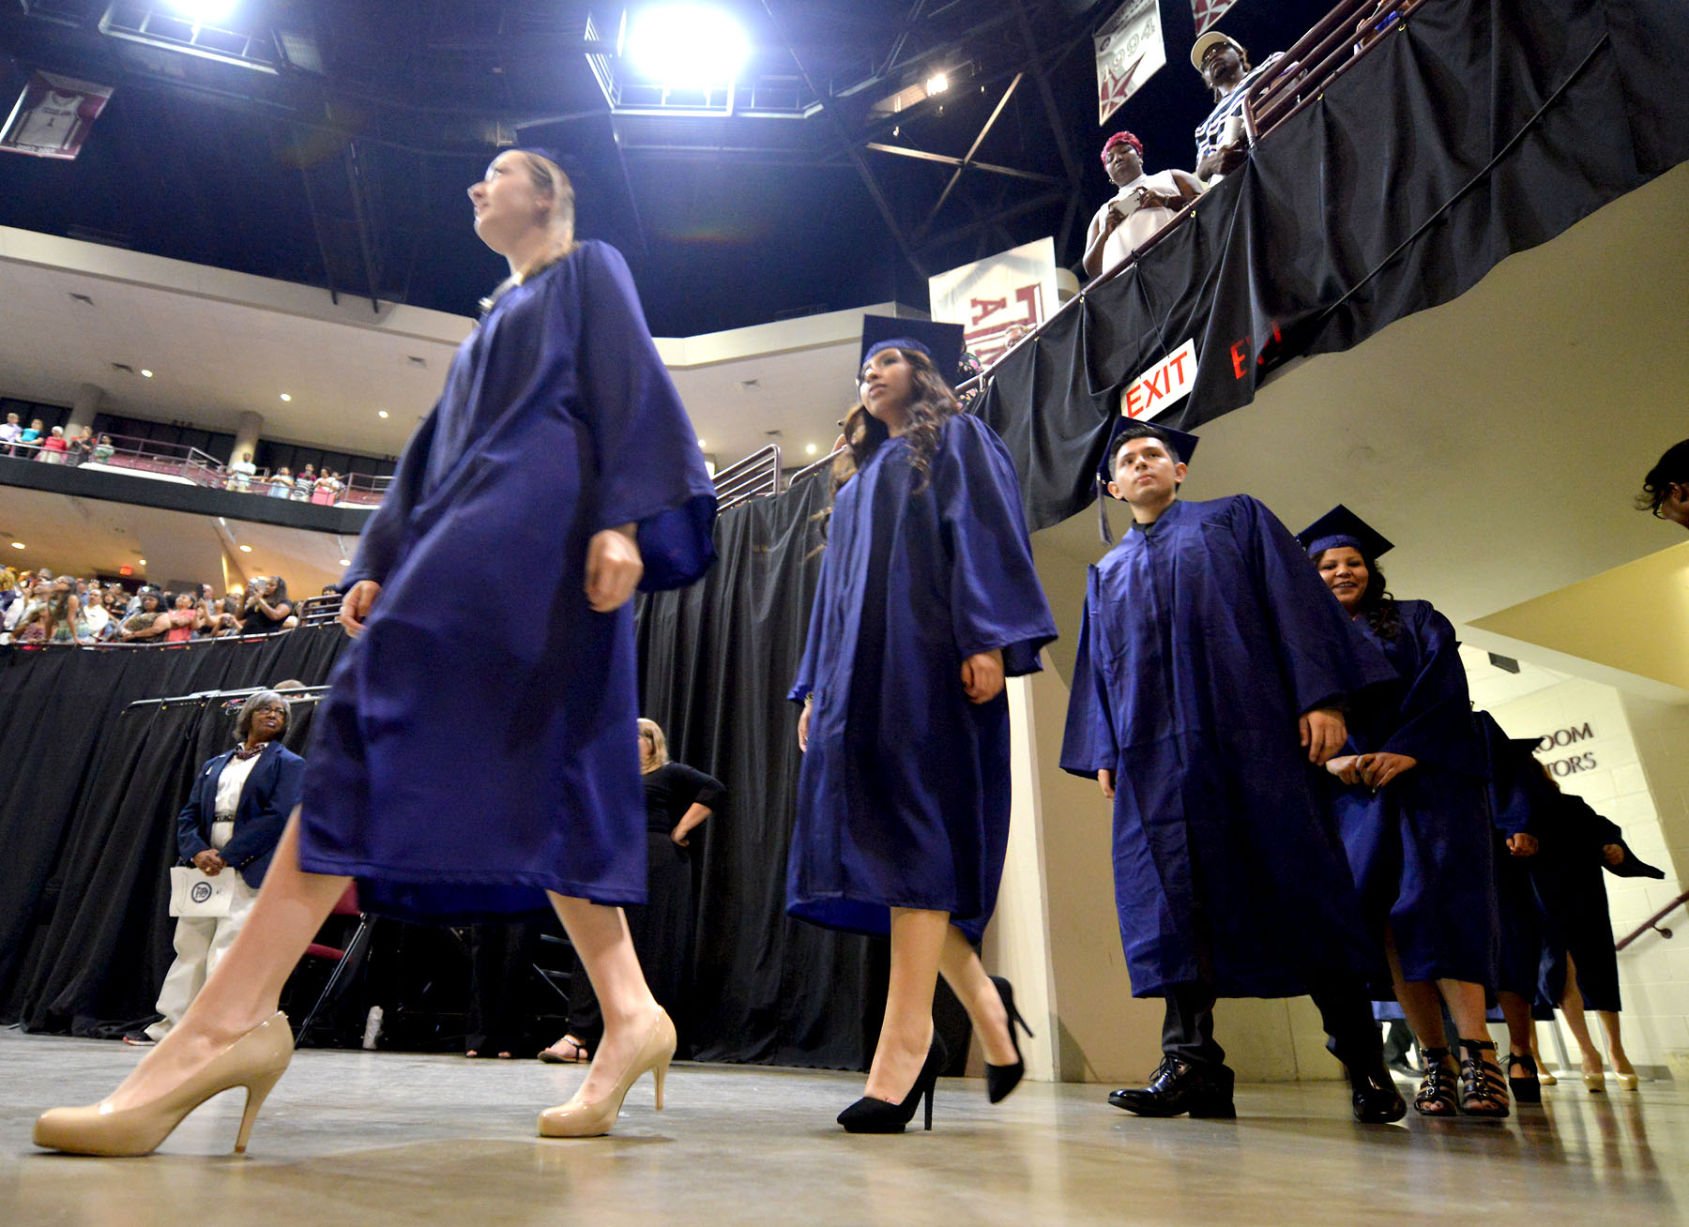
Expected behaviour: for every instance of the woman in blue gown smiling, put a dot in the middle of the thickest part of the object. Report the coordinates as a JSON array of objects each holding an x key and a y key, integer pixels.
[
  {"x": 473, "y": 759},
  {"x": 927, "y": 600}
]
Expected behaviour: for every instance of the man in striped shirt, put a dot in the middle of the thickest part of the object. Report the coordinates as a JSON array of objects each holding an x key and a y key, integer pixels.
[{"x": 1225, "y": 69}]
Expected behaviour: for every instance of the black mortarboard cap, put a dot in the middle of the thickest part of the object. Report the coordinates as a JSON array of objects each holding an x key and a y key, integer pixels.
[
  {"x": 1340, "y": 526},
  {"x": 940, "y": 342},
  {"x": 1184, "y": 447}
]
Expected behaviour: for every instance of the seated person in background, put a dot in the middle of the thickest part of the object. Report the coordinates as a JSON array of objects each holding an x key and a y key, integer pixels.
[
  {"x": 1224, "y": 65},
  {"x": 1665, "y": 490},
  {"x": 233, "y": 821},
  {"x": 150, "y": 621},
  {"x": 1141, "y": 207},
  {"x": 241, "y": 472},
  {"x": 267, "y": 606}
]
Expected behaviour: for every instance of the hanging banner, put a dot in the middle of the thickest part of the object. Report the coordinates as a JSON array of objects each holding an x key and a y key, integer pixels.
[
  {"x": 1207, "y": 12},
  {"x": 1129, "y": 52},
  {"x": 53, "y": 115},
  {"x": 999, "y": 299}
]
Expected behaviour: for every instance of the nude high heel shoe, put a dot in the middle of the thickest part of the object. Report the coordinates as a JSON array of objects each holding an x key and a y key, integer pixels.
[
  {"x": 576, "y": 1119},
  {"x": 1627, "y": 1082},
  {"x": 256, "y": 1061}
]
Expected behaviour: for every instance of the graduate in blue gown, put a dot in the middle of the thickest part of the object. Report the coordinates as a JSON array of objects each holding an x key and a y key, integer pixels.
[
  {"x": 1211, "y": 675},
  {"x": 926, "y": 601},
  {"x": 477, "y": 754},
  {"x": 1516, "y": 790},
  {"x": 1414, "y": 818}
]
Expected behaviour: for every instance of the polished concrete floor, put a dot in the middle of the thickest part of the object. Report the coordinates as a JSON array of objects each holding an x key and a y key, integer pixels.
[{"x": 363, "y": 1138}]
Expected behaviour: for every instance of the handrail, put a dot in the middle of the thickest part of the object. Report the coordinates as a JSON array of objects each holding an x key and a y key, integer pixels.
[
  {"x": 752, "y": 477},
  {"x": 1652, "y": 924},
  {"x": 809, "y": 470}
]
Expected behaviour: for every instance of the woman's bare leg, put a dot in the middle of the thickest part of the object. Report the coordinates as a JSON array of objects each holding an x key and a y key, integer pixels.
[
  {"x": 245, "y": 987},
  {"x": 1517, "y": 1010},
  {"x": 965, "y": 974},
  {"x": 1421, "y": 1004},
  {"x": 1615, "y": 1043},
  {"x": 601, "y": 939},
  {"x": 1466, "y": 1007},
  {"x": 917, "y": 938},
  {"x": 1571, "y": 1005}
]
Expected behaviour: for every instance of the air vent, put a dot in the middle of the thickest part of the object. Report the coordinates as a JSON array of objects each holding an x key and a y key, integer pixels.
[
  {"x": 82, "y": 298},
  {"x": 124, "y": 367},
  {"x": 414, "y": 360}
]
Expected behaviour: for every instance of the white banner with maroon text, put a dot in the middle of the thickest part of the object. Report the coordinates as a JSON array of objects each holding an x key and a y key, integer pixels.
[
  {"x": 999, "y": 299},
  {"x": 1130, "y": 51}
]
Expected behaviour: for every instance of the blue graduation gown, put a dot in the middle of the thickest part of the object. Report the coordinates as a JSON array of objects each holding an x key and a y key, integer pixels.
[
  {"x": 1203, "y": 642},
  {"x": 479, "y": 745},
  {"x": 1420, "y": 848},
  {"x": 903, "y": 795},
  {"x": 1517, "y": 796},
  {"x": 1572, "y": 884}
]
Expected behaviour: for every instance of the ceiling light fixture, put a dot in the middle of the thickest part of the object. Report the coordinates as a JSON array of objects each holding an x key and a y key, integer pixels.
[
  {"x": 381, "y": 413},
  {"x": 145, "y": 374},
  {"x": 285, "y": 396},
  {"x": 809, "y": 449},
  {"x": 246, "y": 549},
  {"x": 203, "y": 12},
  {"x": 18, "y": 545},
  {"x": 142, "y": 561},
  {"x": 687, "y": 46},
  {"x": 701, "y": 443},
  {"x": 937, "y": 84},
  {"x": 345, "y": 562}
]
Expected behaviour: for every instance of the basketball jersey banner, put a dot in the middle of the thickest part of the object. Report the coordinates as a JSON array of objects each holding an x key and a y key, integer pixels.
[
  {"x": 1207, "y": 12},
  {"x": 1129, "y": 52},
  {"x": 53, "y": 115},
  {"x": 995, "y": 298}
]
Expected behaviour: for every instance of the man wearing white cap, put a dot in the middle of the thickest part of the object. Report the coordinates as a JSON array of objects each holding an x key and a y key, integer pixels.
[{"x": 1225, "y": 69}]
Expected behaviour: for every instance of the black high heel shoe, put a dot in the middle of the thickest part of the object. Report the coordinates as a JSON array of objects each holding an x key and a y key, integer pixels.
[
  {"x": 1001, "y": 1079},
  {"x": 868, "y": 1115}
]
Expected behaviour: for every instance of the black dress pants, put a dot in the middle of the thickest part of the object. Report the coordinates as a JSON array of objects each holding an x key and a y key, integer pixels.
[{"x": 1187, "y": 1031}]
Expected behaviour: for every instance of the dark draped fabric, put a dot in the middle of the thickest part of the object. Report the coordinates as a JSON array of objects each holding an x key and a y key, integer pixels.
[
  {"x": 1475, "y": 129},
  {"x": 89, "y": 791},
  {"x": 717, "y": 659}
]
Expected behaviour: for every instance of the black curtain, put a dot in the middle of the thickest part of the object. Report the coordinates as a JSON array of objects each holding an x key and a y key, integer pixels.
[
  {"x": 1473, "y": 130},
  {"x": 88, "y": 798},
  {"x": 717, "y": 659}
]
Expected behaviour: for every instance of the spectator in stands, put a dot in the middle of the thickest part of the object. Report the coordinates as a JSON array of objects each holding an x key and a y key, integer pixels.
[
  {"x": 9, "y": 433},
  {"x": 147, "y": 622},
  {"x": 304, "y": 484},
  {"x": 326, "y": 488},
  {"x": 241, "y": 473},
  {"x": 1665, "y": 490},
  {"x": 1224, "y": 65},
  {"x": 267, "y": 606},
  {"x": 62, "y": 610},
  {"x": 53, "y": 447},
  {"x": 117, "y": 602},
  {"x": 30, "y": 438},
  {"x": 103, "y": 450},
  {"x": 183, "y": 618},
  {"x": 81, "y": 447},
  {"x": 95, "y": 625},
  {"x": 1140, "y": 208},
  {"x": 281, "y": 483},
  {"x": 233, "y": 821}
]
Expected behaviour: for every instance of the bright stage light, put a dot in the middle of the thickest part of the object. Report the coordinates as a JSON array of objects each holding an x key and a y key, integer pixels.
[
  {"x": 937, "y": 84},
  {"x": 203, "y": 12},
  {"x": 687, "y": 46}
]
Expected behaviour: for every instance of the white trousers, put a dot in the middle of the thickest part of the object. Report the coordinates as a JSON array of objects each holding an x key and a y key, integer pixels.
[{"x": 201, "y": 942}]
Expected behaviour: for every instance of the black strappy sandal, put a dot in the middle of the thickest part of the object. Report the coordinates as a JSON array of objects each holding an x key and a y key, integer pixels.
[
  {"x": 1528, "y": 1088},
  {"x": 1483, "y": 1091},
  {"x": 1437, "y": 1090}
]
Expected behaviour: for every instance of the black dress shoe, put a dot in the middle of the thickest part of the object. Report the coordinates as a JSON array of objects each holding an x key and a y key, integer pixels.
[
  {"x": 1372, "y": 1092},
  {"x": 1178, "y": 1088}
]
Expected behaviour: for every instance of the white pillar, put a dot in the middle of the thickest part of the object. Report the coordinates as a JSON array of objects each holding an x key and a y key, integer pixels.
[
  {"x": 246, "y": 434},
  {"x": 90, "y": 399}
]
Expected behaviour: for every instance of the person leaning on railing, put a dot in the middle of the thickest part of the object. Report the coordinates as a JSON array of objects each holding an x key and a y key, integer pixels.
[
  {"x": 9, "y": 432},
  {"x": 1142, "y": 205},
  {"x": 148, "y": 622},
  {"x": 1224, "y": 65},
  {"x": 267, "y": 606}
]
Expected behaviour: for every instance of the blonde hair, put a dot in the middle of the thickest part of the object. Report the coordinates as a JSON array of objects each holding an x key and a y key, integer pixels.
[
  {"x": 650, "y": 731},
  {"x": 548, "y": 177}
]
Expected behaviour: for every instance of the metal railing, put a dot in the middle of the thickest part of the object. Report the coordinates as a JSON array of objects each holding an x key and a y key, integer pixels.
[
  {"x": 1652, "y": 924},
  {"x": 756, "y": 476}
]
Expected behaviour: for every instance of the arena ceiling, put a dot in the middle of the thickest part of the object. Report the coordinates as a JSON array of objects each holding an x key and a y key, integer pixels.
[{"x": 334, "y": 149}]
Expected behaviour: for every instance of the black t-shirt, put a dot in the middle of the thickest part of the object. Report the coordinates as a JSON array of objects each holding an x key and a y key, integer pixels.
[{"x": 674, "y": 788}]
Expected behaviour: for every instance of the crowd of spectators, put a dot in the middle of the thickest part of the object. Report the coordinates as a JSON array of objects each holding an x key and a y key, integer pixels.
[
  {"x": 38, "y": 607},
  {"x": 53, "y": 446}
]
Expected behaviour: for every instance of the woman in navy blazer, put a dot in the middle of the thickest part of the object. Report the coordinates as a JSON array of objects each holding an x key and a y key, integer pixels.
[{"x": 232, "y": 822}]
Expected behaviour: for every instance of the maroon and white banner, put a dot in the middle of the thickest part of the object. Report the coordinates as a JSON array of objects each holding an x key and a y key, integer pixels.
[
  {"x": 1207, "y": 12},
  {"x": 1130, "y": 51},
  {"x": 53, "y": 116},
  {"x": 999, "y": 299}
]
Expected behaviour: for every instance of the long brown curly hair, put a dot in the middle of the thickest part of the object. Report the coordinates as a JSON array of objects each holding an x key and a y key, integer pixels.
[{"x": 931, "y": 403}]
